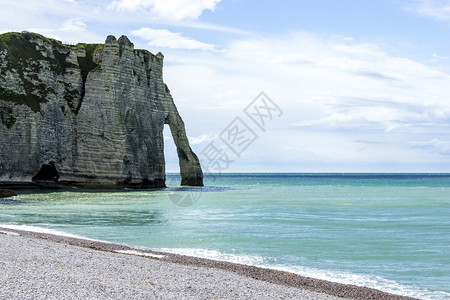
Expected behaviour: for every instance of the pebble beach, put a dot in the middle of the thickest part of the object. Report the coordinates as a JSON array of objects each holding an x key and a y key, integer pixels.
[{"x": 44, "y": 266}]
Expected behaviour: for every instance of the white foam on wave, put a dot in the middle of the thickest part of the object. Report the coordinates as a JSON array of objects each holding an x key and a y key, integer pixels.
[
  {"x": 46, "y": 230},
  {"x": 9, "y": 233},
  {"x": 375, "y": 282},
  {"x": 216, "y": 255},
  {"x": 134, "y": 252}
]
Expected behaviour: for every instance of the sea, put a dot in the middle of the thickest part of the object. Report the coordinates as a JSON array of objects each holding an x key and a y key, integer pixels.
[{"x": 385, "y": 231}]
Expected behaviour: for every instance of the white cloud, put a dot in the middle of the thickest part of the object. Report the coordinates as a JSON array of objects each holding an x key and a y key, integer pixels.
[
  {"x": 92, "y": 21},
  {"x": 438, "y": 9},
  {"x": 167, "y": 9},
  {"x": 353, "y": 84},
  {"x": 73, "y": 25},
  {"x": 435, "y": 146},
  {"x": 67, "y": 21},
  {"x": 211, "y": 27},
  {"x": 167, "y": 39},
  {"x": 337, "y": 91},
  {"x": 200, "y": 139}
]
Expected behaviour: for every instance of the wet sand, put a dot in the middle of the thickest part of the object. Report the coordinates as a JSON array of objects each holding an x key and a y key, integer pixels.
[{"x": 45, "y": 266}]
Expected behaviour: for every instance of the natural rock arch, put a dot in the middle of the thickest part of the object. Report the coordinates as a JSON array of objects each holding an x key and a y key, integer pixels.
[
  {"x": 96, "y": 111},
  {"x": 190, "y": 170}
]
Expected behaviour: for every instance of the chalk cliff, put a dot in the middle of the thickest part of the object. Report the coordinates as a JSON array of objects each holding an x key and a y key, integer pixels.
[{"x": 88, "y": 114}]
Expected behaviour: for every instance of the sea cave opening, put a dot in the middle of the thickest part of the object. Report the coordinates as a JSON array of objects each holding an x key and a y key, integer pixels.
[{"x": 48, "y": 172}]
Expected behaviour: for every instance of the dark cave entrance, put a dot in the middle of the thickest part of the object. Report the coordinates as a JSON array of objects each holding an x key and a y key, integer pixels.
[{"x": 47, "y": 172}]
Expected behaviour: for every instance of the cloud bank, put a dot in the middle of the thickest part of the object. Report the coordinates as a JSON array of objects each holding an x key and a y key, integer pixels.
[
  {"x": 167, "y": 9},
  {"x": 349, "y": 105},
  {"x": 438, "y": 9},
  {"x": 167, "y": 39}
]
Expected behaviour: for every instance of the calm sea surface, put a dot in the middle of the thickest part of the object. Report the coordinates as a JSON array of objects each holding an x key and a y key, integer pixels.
[{"x": 386, "y": 231}]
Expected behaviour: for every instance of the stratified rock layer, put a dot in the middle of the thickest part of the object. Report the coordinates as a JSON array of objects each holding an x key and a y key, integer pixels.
[{"x": 96, "y": 112}]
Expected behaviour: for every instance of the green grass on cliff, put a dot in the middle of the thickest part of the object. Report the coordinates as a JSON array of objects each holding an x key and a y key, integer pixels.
[
  {"x": 86, "y": 63},
  {"x": 22, "y": 58},
  {"x": 7, "y": 117}
]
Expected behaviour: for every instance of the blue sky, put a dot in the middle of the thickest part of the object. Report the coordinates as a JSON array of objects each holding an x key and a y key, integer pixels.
[{"x": 364, "y": 86}]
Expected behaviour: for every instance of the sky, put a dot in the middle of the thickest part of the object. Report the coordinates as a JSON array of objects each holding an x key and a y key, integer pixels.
[{"x": 348, "y": 86}]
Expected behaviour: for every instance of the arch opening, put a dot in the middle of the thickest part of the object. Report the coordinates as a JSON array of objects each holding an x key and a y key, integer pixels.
[{"x": 172, "y": 166}]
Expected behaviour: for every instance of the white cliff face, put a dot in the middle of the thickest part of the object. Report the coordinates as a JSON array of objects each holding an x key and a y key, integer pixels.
[{"x": 96, "y": 111}]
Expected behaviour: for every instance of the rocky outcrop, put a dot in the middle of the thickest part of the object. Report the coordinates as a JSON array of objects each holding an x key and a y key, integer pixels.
[
  {"x": 6, "y": 193},
  {"x": 94, "y": 112}
]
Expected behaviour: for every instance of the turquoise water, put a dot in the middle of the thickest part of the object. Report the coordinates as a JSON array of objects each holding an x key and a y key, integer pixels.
[{"x": 386, "y": 231}]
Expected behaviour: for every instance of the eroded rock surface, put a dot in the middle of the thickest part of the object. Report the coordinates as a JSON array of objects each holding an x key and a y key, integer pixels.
[{"x": 96, "y": 112}]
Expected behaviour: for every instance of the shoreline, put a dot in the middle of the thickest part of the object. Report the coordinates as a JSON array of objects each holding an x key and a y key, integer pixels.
[{"x": 271, "y": 276}]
